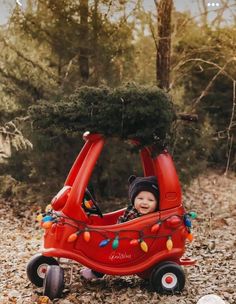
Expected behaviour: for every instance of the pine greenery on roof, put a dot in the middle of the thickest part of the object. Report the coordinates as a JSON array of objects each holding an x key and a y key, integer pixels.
[{"x": 128, "y": 112}]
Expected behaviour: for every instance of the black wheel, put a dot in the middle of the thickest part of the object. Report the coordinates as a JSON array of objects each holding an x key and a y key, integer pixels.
[
  {"x": 53, "y": 284},
  {"x": 37, "y": 268},
  {"x": 167, "y": 277}
]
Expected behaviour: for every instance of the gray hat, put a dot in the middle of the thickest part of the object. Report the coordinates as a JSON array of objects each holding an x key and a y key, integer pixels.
[{"x": 138, "y": 184}]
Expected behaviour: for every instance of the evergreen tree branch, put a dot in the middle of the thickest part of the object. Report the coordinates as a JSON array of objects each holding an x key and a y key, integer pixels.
[
  {"x": 27, "y": 59},
  {"x": 33, "y": 90}
]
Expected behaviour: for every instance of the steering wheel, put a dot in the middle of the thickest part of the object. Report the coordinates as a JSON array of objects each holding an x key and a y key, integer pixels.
[{"x": 94, "y": 209}]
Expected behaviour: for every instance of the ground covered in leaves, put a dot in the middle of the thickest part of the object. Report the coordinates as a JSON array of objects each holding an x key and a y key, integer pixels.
[{"x": 212, "y": 196}]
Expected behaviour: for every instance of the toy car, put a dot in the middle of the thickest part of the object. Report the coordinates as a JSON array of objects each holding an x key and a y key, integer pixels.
[{"x": 151, "y": 246}]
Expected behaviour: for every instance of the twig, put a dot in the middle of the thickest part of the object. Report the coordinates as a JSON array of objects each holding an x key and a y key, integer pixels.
[
  {"x": 68, "y": 70},
  {"x": 231, "y": 137},
  {"x": 180, "y": 64},
  {"x": 205, "y": 91},
  {"x": 109, "y": 8},
  {"x": 201, "y": 14},
  {"x": 233, "y": 109},
  {"x": 153, "y": 33}
]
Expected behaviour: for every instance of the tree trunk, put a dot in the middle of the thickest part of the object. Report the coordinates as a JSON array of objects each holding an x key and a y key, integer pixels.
[
  {"x": 164, "y": 8},
  {"x": 83, "y": 52},
  {"x": 95, "y": 42}
]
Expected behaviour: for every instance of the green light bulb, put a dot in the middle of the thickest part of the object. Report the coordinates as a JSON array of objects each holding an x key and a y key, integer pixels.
[
  {"x": 115, "y": 243},
  {"x": 193, "y": 214}
]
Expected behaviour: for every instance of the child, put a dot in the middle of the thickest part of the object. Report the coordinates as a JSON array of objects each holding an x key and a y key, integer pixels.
[{"x": 143, "y": 195}]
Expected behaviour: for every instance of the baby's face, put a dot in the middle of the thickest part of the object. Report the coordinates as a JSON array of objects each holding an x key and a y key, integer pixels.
[{"x": 145, "y": 202}]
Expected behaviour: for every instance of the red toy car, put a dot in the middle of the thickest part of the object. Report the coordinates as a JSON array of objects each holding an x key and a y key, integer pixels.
[{"x": 150, "y": 246}]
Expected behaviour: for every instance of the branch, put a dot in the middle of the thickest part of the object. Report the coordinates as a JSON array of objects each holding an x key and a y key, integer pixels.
[
  {"x": 231, "y": 125},
  {"x": 195, "y": 17},
  {"x": 153, "y": 33},
  {"x": 34, "y": 64},
  {"x": 68, "y": 70},
  {"x": 30, "y": 88},
  {"x": 11, "y": 136},
  {"x": 108, "y": 9},
  {"x": 205, "y": 91},
  {"x": 181, "y": 63}
]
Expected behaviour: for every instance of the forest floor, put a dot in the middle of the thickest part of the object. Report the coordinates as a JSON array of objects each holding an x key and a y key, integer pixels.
[{"x": 212, "y": 196}]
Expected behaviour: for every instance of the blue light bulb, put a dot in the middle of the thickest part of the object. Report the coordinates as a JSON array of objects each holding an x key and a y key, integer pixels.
[
  {"x": 47, "y": 218},
  {"x": 104, "y": 243}
]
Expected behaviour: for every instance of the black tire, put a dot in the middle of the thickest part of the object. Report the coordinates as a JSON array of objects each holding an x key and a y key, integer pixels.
[
  {"x": 167, "y": 278},
  {"x": 53, "y": 284},
  {"x": 37, "y": 267}
]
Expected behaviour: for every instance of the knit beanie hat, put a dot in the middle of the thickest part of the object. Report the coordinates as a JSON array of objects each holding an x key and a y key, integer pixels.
[{"x": 138, "y": 184}]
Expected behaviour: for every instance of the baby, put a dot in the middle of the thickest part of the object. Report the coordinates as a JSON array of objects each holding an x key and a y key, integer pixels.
[{"x": 144, "y": 196}]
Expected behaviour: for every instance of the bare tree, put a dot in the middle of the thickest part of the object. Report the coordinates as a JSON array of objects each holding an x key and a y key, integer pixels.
[
  {"x": 83, "y": 53},
  {"x": 95, "y": 42},
  {"x": 164, "y": 9}
]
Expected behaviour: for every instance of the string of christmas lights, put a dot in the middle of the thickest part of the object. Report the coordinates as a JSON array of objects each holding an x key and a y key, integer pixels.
[{"x": 51, "y": 217}]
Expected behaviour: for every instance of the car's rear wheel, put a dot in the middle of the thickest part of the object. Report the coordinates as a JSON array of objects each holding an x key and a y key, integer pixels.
[{"x": 167, "y": 277}]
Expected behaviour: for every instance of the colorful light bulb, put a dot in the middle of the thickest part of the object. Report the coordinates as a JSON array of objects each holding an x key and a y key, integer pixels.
[
  {"x": 88, "y": 204},
  {"x": 169, "y": 243},
  {"x": 86, "y": 236},
  {"x": 187, "y": 221},
  {"x": 193, "y": 214},
  {"x": 48, "y": 208},
  {"x": 103, "y": 243},
  {"x": 173, "y": 222},
  {"x": 144, "y": 246},
  {"x": 155, "y": 227},
  {"x": 190, "y": 237},
  {"x": 134, "y": 242},
  {"x": 47, "y": 225},
  {"x": 39, "y": 218},
  {"x": 115, "y": 243},
  {"x": 47, "y": 218},
  {"x": 72, "y": 237}
]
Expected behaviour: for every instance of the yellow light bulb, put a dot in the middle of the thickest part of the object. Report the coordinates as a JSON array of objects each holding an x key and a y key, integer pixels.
[
  {"x": 169, "y": 244},
  {"x": 39, "y": 217},
  {"x": 144, "y": 246}
]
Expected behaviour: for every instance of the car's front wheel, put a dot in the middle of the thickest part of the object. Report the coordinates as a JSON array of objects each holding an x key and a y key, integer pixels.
[{"x": 37, "y": 267}]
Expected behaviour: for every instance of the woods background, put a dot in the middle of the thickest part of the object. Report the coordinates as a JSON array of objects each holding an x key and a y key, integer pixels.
[{"x": 50, "y": 49}]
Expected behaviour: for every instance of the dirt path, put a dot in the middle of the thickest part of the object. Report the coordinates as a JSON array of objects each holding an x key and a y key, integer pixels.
[{"x": 212, "y": 196}]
